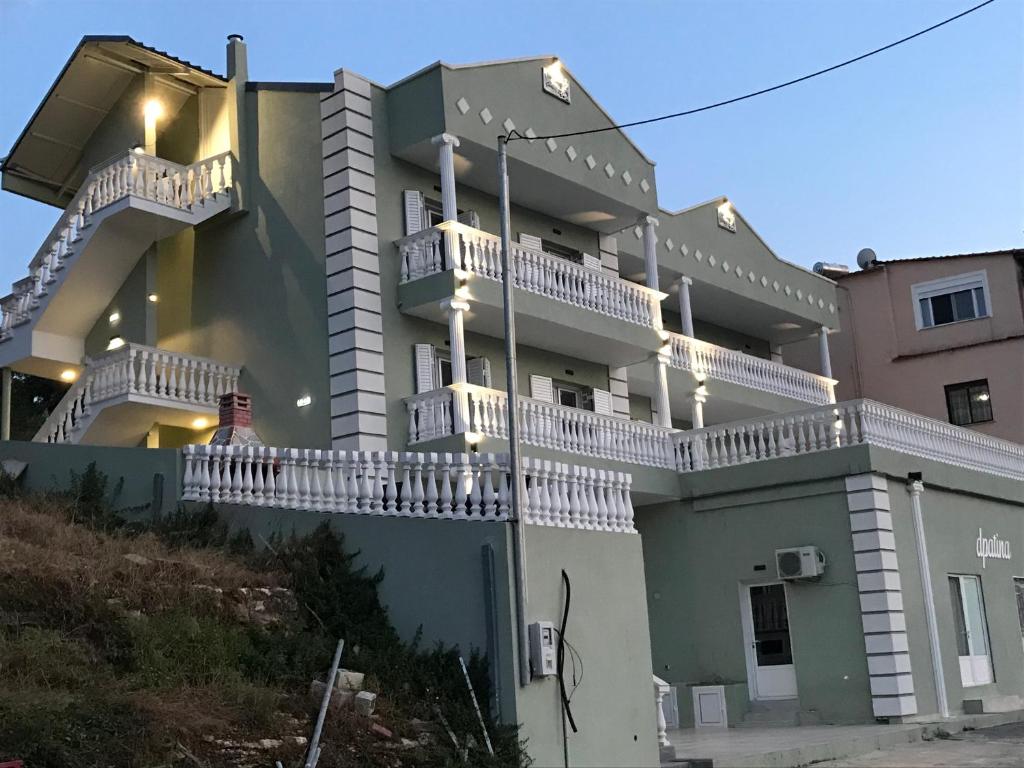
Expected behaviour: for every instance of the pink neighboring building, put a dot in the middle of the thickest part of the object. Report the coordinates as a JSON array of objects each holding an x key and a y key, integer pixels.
[{"x": 941, "y": 336}]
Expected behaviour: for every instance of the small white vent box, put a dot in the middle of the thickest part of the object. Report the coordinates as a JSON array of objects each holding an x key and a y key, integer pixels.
[{"x": 799, "y": 563}]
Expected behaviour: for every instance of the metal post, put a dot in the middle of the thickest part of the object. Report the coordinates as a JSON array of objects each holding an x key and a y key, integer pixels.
[
  {"x": 5, "y": 406},
  {"x": 313, "y": 754},
  {"x": 512, "y": 384}
]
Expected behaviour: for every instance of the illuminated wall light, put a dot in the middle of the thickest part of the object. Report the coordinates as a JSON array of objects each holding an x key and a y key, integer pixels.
[
  {"x": 153, "y": 109},
  {"x": 69, "y": 375},
  {"x": 200, "y": 423},
  {"x": 303, "y": 401},
  {"x": 152, "y": 298},
  {"x": 701, "y": 391},
  {"x": 984, "y": 396},
  {"x": 473, "y": 438},
  {"x": 839, "y": 425},
  {"x": 462, "y": 292},
  {"x": 116, "y": 342},
  {"x": 115, "y": 318}
]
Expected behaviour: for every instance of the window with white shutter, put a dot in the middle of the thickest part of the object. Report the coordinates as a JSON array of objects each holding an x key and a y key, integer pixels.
[
  {"x": 591, "y": 262},
  {"x": 470, "y": 219},
  {"x": 531, "y": 241},
  {"x": 603, "y": 402},
  {"x": 542, "y": 389},
  {"x": 478, "y": 371},
  {"x": 415, "y": 220},
  {"x": 426, "y": 367}
]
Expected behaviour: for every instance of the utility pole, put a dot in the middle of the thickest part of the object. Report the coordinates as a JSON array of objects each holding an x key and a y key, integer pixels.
[{"x": 512, "y": 385}]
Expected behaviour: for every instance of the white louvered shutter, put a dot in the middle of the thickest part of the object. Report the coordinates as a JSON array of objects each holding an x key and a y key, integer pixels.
[
  {"x": 591, "y": 262},
  {"x": 603, "y": 402},
  {"x": 541, "y": 389},
  {"x": 426, "y": 368},
  {"x": 415, "y": 220},
  {"x": 478, "y": 371},
  {"x": 530, "y": 241},
  {"x": 470, "y": 219}
]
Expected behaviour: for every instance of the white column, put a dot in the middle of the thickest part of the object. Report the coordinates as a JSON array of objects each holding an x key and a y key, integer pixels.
[
  {"x": 776, "y": 353},
  {"x": 661, "y": 391},
  {"x": 5, "y": 405},
  {"x": 826, "y": 362},
  {"x": 915, "y": 488},
  {"x": 457, "y": 341},
  {"x": 446, "y": 144},
  {"x": 700, "y": 396},
  {"x": 684, "y": 306},
  {"x": 647, "y": 224}
]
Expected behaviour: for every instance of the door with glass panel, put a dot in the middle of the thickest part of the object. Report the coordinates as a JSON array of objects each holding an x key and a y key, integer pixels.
[
  {"x": 971, "y": 630},
  {"x": 1018, "y": 588},
  {"x": 770, "y": 654}
]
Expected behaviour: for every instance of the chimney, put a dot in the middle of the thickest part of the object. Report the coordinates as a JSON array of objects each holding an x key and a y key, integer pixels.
[
  {"x": 238, "y": 60},
  {"x": 235, "y": 427}
]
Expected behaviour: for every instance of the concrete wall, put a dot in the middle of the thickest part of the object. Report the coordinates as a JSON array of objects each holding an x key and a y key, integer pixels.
[
  {"x": 882, "y": 355},
  {"x": 136, "y": 477},
  {"x": 952, "y": 522},
  {"x": 614, "y": 704},
  {"x": 700, "y": 552}
]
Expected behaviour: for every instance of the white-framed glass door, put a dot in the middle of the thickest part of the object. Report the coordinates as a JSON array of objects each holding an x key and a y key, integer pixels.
[
  {"x": 1018, "y": 589},
  {"x": 770, "y": 670},
  {"x": 971, "y": 630}
]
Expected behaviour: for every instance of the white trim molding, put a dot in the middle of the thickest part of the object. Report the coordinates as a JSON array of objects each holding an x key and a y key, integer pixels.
[
  {"x": 354, "y": 326},
  {"x": 881, "y": 596}
]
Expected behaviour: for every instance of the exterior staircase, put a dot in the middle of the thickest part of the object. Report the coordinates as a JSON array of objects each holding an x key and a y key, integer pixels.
[
  {"x": 147, "y": 385},
  {"x": 122, "y": 207}
]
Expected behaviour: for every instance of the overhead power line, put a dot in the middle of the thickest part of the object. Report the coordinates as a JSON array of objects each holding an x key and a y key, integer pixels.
[{"x": 513, "y": 135}]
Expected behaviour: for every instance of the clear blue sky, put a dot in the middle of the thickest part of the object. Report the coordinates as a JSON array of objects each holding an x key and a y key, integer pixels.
[{"x": 917, "y": 151}]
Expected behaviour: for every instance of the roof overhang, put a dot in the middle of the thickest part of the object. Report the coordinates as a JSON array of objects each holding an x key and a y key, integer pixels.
[{"x": 46, "y": 161}]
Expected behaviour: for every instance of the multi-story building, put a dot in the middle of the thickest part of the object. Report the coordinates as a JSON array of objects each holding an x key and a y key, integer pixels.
[
  {"x": 330, "y": 249},
  {"x": 943, "y": 336}
]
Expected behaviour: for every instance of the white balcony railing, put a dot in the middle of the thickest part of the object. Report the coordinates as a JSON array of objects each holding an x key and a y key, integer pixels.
[
  {"x": 141, "y": 373},
  {"x": 184, "y": 187},
  {"x": 456, "y": 246},
  {"x": 849, "y": 423},
  {"x": 546, "y": 425},
  {"x": 445, "y": 486},
  {"x": 702, "y": 358}
]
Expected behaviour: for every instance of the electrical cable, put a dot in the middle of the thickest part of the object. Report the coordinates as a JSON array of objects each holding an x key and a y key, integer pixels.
[
  {"x": 561, "y": 653},
  {"x": 513, "y": 135}
]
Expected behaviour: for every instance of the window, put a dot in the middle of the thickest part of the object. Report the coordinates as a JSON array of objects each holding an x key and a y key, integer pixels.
[
  {"x": 951, "y": 300},
  {"x": 568, "y": 397},
  {"x": 433, "y": 211},
  {"x": 969, "y": 402},
  {"x": 971, "y": 629},
  {"x": 444, "y": 369},
  {"x": 562, "y": 251}
]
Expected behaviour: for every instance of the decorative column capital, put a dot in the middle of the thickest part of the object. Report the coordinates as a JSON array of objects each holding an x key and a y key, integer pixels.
[
  {"x": 445, "y": 138},
  {"x": 684, "y": 280},
  {"x": 915, "y": 488},
  {"x": 824, "y": 331},
  {"x": 455, "y": 304},
  {"x": 646, "y": 219}
]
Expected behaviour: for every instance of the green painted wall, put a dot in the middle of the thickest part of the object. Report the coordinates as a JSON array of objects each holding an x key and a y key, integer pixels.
[
  {"x": 614, "y": 704},
  {"x": 258, "y": 279},
  {"x": 130, "y": 302},
  {"x": 952, "y": 520},
  {"x": 697, "y": 553},
  {"x": 135, "y": 477},
  {"x": 120, "y": 130}
]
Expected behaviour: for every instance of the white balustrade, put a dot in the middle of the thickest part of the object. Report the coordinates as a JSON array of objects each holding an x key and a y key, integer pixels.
[
  {"x": 661, "y": 690},
  {"x": 543, "y": 424},
  {"x": 479, "y": 253},
  {"x": 444, "y": 486},
  {"x": 137, "y": 371},
  {"x": 185, "y": 187},
  {"x": 714, "y": 362},
  {"x": 843, "y": 424}
]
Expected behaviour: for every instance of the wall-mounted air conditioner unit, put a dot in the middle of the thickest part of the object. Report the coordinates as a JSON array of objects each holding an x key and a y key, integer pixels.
[{"x": 799, "y": 563}]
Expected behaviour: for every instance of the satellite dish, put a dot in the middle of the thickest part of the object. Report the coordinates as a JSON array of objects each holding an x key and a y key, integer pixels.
[{"x": 865, "y": 258}]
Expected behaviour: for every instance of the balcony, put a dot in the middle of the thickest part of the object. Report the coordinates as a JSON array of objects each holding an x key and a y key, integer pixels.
[
  {"x": 122, "y": 207},
  {"x": 561, "y": 306},
  {"x": 432, "y": 415},
  {"x": 120, "y": 395}
]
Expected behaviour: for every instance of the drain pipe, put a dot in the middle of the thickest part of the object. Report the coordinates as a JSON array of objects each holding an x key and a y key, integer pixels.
[
  {"x": 915, "y": 487},
  {"x": 518, "y": 521}
]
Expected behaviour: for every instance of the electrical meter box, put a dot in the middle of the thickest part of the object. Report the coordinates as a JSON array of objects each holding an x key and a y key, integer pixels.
[{"x": 542, "y": 649}]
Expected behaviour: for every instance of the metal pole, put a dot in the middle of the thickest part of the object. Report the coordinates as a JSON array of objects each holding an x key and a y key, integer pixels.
[
  {"x": 313, "y": 755},
  {"x": 5, "y": 407},
  {"x": 512, "y": 385}
]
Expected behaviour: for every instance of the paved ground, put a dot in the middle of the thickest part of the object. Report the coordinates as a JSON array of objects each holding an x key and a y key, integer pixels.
[{"x": 998, "y": 747}]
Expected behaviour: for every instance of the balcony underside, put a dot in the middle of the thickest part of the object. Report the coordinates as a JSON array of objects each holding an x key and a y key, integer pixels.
[
  {"x": 108, "y": 251},
  {"x": 125, "y": 420},
  {"x": 540, "y": 321},
  {"x": 726, "y": 401}
]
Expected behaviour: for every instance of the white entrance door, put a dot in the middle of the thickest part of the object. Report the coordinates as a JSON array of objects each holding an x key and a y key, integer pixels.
[
  {"x": 769, "y": 654},
  {"x": 971, "y": 630}
]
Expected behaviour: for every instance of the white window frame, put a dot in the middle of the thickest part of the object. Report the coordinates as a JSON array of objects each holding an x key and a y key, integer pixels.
[
  {"x": 975, "y": 668},
  {"x": 946, "y": 285}
]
